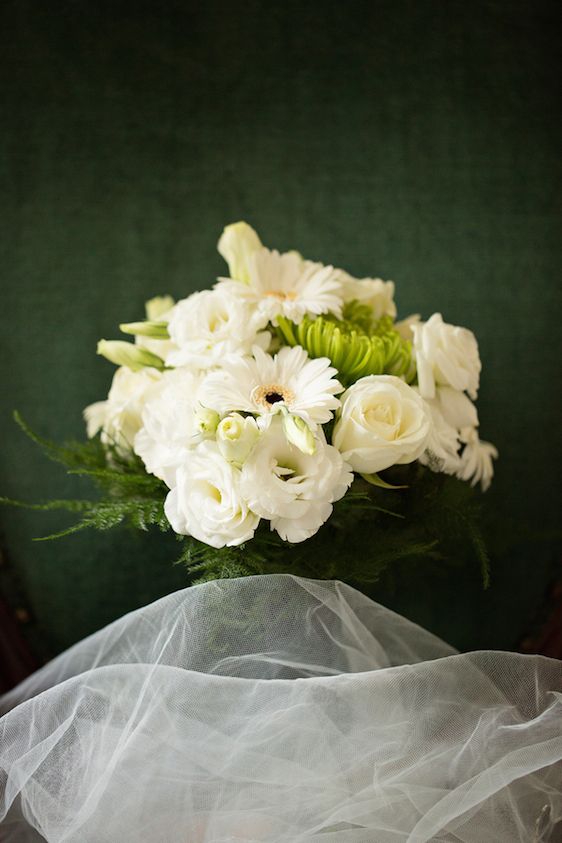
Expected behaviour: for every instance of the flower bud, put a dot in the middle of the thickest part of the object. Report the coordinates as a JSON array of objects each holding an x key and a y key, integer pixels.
[
  {"x": 236, "y": 437},
  {"x": 298, "y": 433},
  {"x": 206, "y": 421},
  {"x": 237, "y": 243},
  {"x": 156, "y": 308},
  {"x": 156, "y": 330},
  {"x": 126, "y": 354}
]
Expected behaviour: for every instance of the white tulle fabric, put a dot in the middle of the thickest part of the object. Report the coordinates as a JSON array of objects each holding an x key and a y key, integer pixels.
[{"x": 280, "y": 709}]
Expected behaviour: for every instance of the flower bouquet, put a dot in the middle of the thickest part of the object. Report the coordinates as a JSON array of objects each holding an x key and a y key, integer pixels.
[{"x": 284, "y": 421}]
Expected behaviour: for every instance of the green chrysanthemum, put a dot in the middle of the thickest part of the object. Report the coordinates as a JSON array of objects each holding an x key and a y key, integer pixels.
[{"x": 355, "y": 348}]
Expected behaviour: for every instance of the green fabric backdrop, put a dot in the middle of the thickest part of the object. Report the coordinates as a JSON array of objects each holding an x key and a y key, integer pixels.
[{"x": 413, "y": 140}]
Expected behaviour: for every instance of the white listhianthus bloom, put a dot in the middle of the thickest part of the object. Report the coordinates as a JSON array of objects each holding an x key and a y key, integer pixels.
[
  {"x": 476, "y": 462},
  {"x": 206, "y": 502},
  {"x": 172, "y": 424},
  {"x": 450, "y": 412},
  {"x": 236, "y": 437},
  {"x": 262, "y": 384},
  {"x": 446, "y": 355},
  {"x": 294, "y": 490},
  {"x": 374, "y": 292},
  {"x": 237, "y": 244},
  {"x": 210, "y": 324},
  {"x": 120, "y": 416},
  {"x": 286, "y": 285},
  {"x": 382, "y": 422}
]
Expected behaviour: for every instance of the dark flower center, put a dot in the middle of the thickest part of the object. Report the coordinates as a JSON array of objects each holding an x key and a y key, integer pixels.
[{"x": 273, "y": 397}]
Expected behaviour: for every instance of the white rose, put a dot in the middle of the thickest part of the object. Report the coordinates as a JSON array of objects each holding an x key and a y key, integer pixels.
[
  {"x": 171, "y": 424},
  {"x": 120, "y": 417},
  {"x": 374, "y": 292},
  {"x": 446, "y": 355},
  {"x": 206, "y": 502},
  {"x": 236, "y": 436},
  {"x": 294, "y": 490},
  {"x": 210, "y": 324},
  {"x": 382, "y": 422}
]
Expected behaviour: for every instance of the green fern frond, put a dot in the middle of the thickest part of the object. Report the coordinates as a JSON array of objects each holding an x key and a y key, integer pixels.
[
  {"x": 49, "y": 506},
  {"x": 433, "y": 519},
  {"x": 90, "y": 454},
  {"x": 104, "y": 515},
  {"x": 130, "y": 493}
]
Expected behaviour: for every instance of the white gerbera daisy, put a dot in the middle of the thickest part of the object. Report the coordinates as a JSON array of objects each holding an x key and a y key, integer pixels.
[
  {"x": 286, "y": 285},
  {"x": 264, "y": 384}
]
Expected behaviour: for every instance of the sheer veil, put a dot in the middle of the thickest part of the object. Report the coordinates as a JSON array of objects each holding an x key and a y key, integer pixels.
[{"x": 283, "y": 710}]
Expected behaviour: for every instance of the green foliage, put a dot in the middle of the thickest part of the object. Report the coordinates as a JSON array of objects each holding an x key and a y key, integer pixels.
[
  {"x": 370, "y": 530},
  {"x": 417, "y": 517},
  {"x": 353, "y": 350},
  {"x": 128, "y": 493}
]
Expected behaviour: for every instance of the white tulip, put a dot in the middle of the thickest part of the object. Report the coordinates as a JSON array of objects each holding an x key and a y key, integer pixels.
[
  {"x": 206, "y": 502},
  {"x": 446, "y": 355},
  {"x": 236, "y": 436},
  {"x": 382, "y": 422}
]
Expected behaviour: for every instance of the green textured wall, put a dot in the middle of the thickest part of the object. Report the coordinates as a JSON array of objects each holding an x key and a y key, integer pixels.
[{"x": 413, "y": 140}]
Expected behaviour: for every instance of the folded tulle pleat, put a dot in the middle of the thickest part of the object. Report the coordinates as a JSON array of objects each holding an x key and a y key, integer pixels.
[{"x": 280, "y": 709}]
